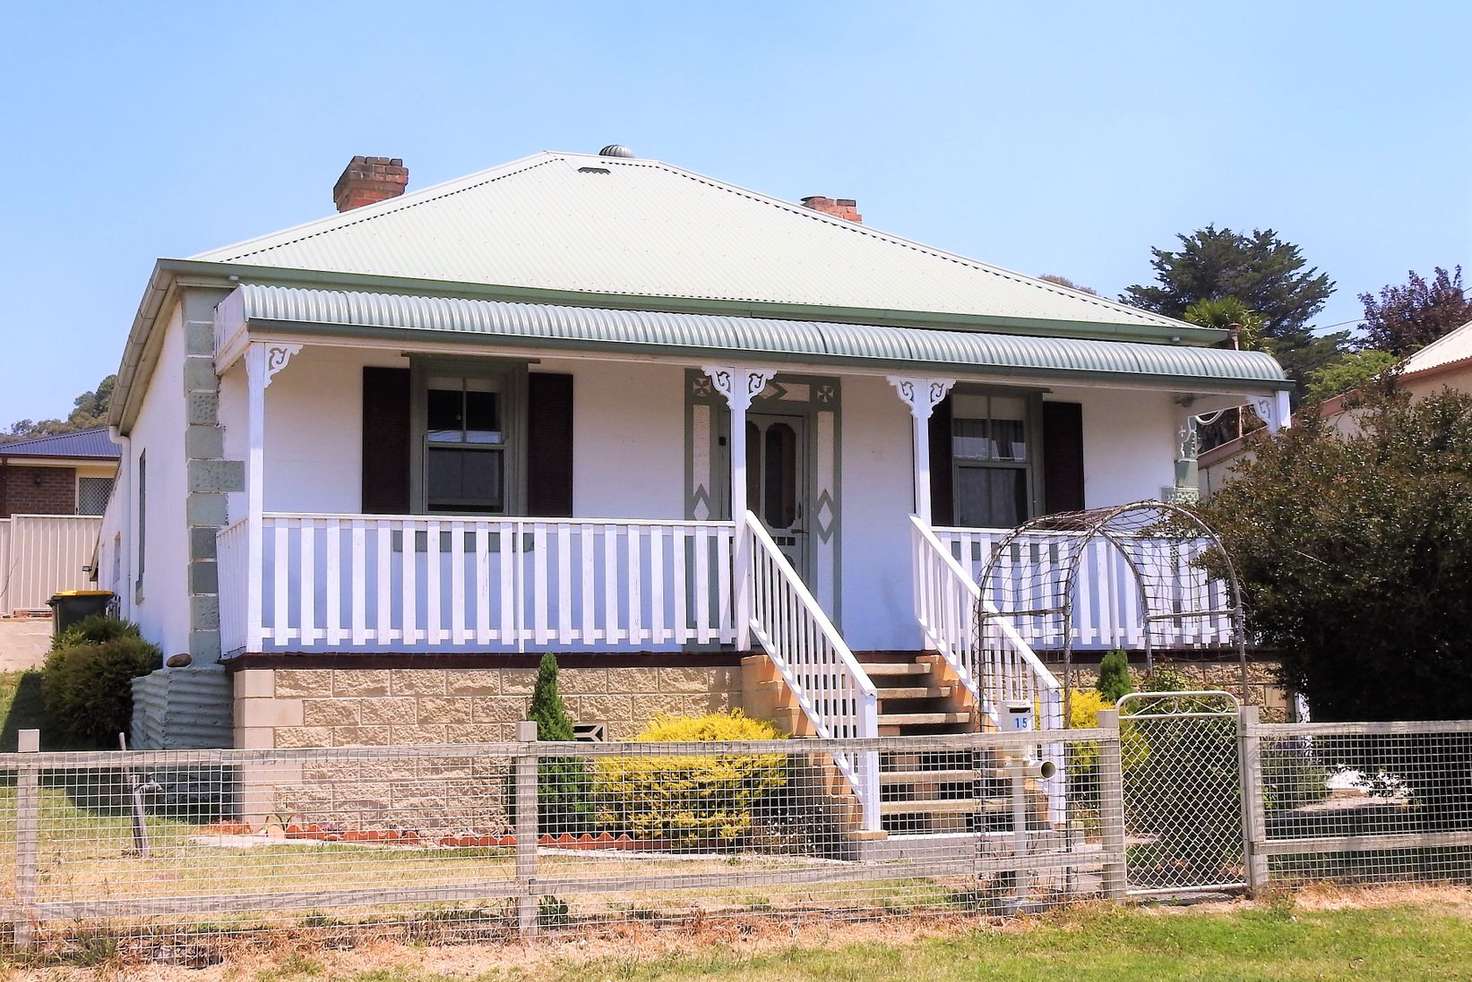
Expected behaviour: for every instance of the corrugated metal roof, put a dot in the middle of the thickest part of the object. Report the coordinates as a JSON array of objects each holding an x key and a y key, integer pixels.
[
  {"x": 575, "y": 222},
  {"x": 83, "y": 443},
  {"x": 719, "y": 335},
  {"x": 1445, "y": 350}
]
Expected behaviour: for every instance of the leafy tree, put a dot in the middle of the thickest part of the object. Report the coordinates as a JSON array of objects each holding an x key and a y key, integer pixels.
[
  {"x": 1353, "y": 371},
  {"x": 88, "y": 410},
  {"x": 1266, "y": 274},
  {"x": 1355, "y": 553},
  {"x": 1228, "y": 314},
  {"x": 1066, "y": 282},
  {"x": 1404, "y": 318}
]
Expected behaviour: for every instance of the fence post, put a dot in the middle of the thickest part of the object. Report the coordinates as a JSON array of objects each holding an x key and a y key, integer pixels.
[
  {"x": 1254, "y": 815},
  {"x": 526, "y": 828},
  {"x": 27, "y": 827},
  {"x": 1111, "y": 805}
]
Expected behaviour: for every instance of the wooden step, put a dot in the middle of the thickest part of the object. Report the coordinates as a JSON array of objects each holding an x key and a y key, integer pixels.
[
  {"x": 928, "y": 777},
  {"x": 923, "y": 719},
  {"x": 941, "y": 806},
  {"x": 916, "y": 692},
  {"x": 895, "y": 668}
]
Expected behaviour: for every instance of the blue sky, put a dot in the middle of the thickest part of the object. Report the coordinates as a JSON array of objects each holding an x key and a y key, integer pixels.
[{"x": 1066, "y": 139}]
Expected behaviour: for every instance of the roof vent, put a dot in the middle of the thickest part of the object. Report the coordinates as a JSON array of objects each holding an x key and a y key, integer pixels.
[{"x": 615, "y": 150}]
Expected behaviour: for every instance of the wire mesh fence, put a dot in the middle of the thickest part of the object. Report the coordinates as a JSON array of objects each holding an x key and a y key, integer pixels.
[
  {"x": 505, "y": 840},
  {"x": 184, "y": 850},
  {"x": 1366, "y": 802}
]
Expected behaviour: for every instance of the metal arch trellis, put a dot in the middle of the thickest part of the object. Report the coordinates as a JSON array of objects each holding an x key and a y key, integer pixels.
[{"x": 1031, "y": 577}]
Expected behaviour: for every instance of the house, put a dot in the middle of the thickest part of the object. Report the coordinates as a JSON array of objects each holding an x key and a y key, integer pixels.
[
  {"x": 53, "y": 490},
  {"x": 64, "y": 474},
  {"x": 1445, "y": 363},
  {"x": 711, "y": 447}
]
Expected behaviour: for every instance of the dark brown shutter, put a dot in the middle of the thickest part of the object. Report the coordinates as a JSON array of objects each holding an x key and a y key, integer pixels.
[
  {"x": 549, "y": 445},
  {"x": 386, "y": 441},
  {"x": 1063, "y": 456},
  {"x": 942, "y": 495}
]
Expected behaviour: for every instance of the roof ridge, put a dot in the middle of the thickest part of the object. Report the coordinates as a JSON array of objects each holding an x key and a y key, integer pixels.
[
  {"x": 379, "y": 209},
  {"x": 900, "y": 240}
]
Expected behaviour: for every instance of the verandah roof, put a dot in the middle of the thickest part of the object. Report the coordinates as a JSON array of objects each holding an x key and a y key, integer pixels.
[{"x": 722, "y": 336}]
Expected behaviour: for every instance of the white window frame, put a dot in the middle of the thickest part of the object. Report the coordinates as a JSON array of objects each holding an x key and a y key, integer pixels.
[
  {"x": 1031, "y": 466},
  {"x": 509, "y": 381}
]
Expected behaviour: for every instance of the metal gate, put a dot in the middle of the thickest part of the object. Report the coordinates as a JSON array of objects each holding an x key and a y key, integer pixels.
[{"x": 1182, "y": 777}]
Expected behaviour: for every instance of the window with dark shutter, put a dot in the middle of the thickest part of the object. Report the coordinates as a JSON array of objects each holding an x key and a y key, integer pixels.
[{"x": 549, "y": 445}]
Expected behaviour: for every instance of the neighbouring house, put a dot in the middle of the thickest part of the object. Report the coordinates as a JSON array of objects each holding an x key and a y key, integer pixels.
[
  {"x": 1445, "y": 363},
  {"x": 713, "y": 448},
  {"x": 53, "y": 490}
]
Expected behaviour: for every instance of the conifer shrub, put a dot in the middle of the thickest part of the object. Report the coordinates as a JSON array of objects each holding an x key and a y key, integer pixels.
[
  {"x": 1114, "y": 676},
  {"x": 563, "y": 783}
]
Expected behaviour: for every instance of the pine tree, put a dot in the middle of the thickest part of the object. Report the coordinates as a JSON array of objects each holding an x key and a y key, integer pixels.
[{"x": 563, "y": 784}]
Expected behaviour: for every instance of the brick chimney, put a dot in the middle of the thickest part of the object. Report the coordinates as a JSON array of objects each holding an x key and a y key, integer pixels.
[
  {"x": 846, "y": 208},
  {"x": 366, "y": 180}
]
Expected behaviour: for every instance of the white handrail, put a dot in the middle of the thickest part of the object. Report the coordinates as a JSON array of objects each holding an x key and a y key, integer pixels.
[
  {"x": 946, "y": 601},
  {"x": 996, "y": 666},
  {"x": 830, "y": 686}
]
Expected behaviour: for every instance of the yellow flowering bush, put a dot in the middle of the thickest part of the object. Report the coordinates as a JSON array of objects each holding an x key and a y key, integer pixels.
[{"x": 690, "y": 800}]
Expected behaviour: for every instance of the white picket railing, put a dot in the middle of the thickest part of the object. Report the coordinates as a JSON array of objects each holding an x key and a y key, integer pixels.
[
  {"x": 1106, "y": 603},
  {"x": 997, "y": 665},
  {"x": 831, "y": 687},
  {"x": 421, "y": 583}
]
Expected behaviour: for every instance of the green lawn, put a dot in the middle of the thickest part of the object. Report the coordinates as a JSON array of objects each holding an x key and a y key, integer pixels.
[{"x": 1407, "y": 942}]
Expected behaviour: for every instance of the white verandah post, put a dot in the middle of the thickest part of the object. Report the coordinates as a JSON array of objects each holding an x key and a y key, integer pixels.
[
  {"x": 262, "y": 361},
  {"x": 739, "y": 385},
  {"x": 921, "y": 395}
]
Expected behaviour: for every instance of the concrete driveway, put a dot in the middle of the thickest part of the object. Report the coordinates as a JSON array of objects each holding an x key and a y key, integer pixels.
[{"x": 23, "y": 643}]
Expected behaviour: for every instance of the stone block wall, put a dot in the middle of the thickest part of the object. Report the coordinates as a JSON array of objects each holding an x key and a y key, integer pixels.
[
  {"x": 1264, "y": 687},
  {"x": 383, "y": 706}
]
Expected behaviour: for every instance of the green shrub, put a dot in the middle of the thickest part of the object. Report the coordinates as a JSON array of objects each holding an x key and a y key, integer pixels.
[
  {"x": 1114, "y": 676},
  {"x": 86, "y": 688},
  {"x": 94, "y": 630},
  {"x": 691, "y": 800},
  {"x": 563, "y": 785}
]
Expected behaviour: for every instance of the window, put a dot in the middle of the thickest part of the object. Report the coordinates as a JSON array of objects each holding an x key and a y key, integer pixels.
[
  {"x": 466, "y": 416},
  {"x": 992, "y": 466},
  {"x": 92, "y": 494}
]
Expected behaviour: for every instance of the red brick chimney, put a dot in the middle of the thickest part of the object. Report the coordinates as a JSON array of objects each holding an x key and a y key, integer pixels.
[
  {"x": 366, "y": 180},
  {"x": 846, "y": 208}
]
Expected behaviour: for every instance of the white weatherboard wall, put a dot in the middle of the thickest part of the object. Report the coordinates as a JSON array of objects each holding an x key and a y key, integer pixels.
[
  {"x": 876, "y": 495},
  {"x": 162, "y": 607},
  {"x": 1129, "y": 442}
]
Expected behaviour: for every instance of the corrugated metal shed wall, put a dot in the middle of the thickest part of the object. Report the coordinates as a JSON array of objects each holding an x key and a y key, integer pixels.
[{"x": 45, "y": 554}]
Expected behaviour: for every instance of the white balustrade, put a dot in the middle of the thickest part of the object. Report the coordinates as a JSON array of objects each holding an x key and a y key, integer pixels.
[
  {"x": 1106, "y": 601},
  {"x": 829, "y": 684},
  {"x": 435, "y": 583}
]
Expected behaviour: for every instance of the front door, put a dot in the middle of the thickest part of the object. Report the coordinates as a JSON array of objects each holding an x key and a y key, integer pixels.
[{"x": 777, "y": 483}]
